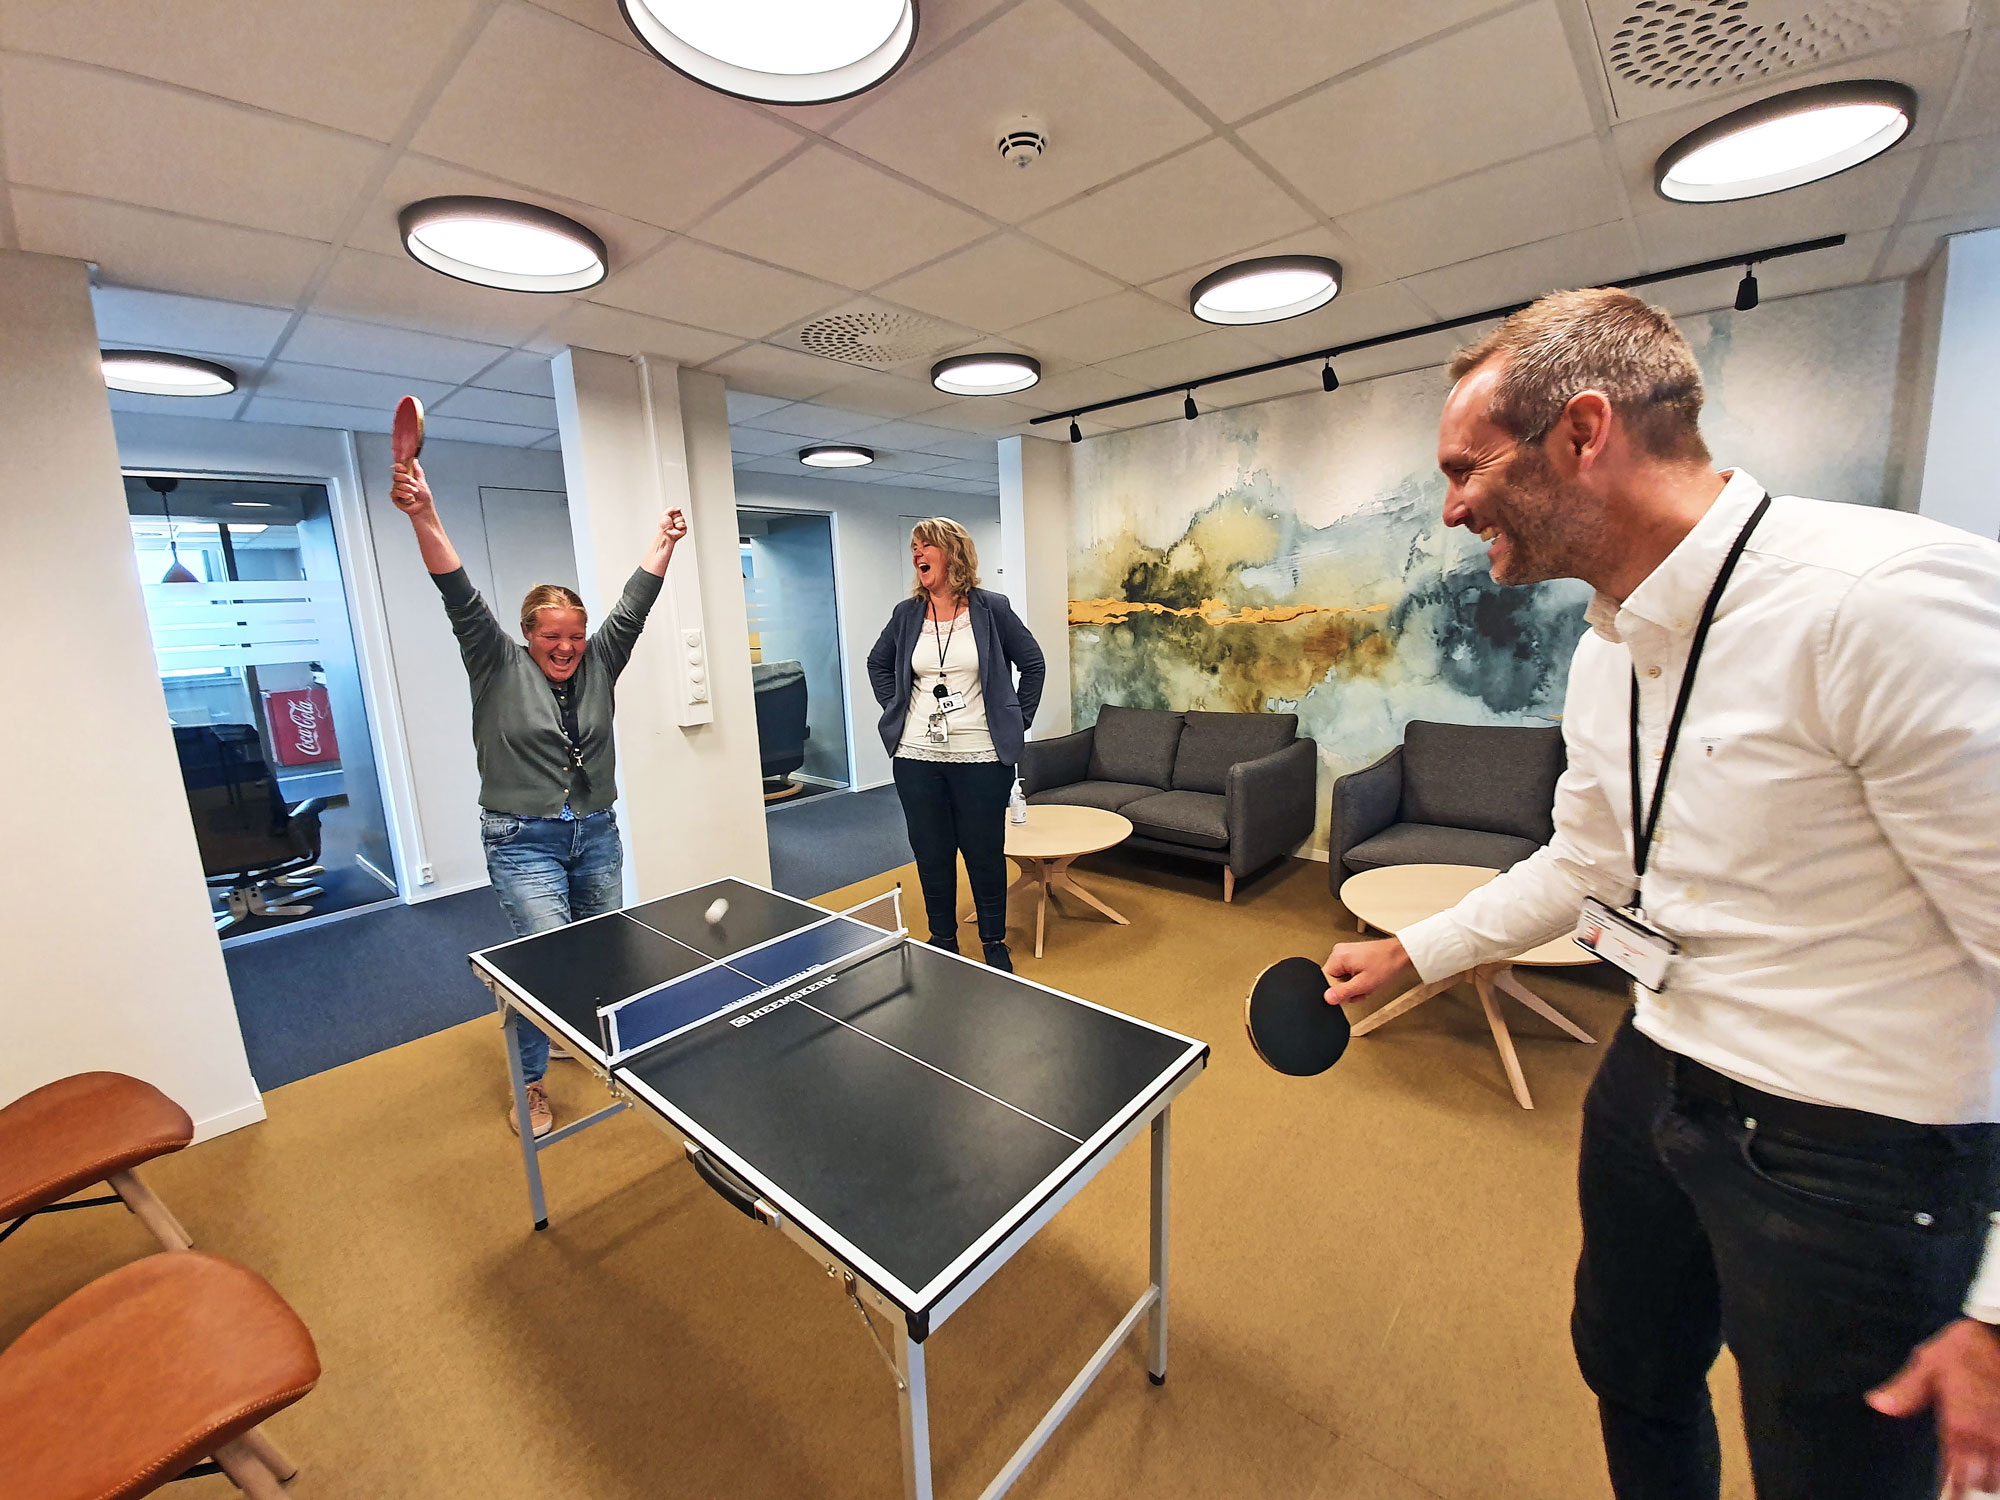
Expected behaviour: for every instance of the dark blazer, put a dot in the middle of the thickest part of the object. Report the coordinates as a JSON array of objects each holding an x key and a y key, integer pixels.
[{"x": 1003, "y": 643}]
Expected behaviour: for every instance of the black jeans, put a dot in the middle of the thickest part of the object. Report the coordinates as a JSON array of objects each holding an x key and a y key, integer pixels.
[
  {"x": 954, "y": 808},
  {"x": 1821, "y": 1244}
]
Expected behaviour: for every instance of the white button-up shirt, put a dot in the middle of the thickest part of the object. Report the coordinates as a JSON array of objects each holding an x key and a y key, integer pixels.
[{"x": 1828, "y": 850}]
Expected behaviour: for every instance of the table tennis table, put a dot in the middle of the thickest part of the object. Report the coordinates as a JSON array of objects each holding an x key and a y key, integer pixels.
[{"x": 908, "y": 1117}]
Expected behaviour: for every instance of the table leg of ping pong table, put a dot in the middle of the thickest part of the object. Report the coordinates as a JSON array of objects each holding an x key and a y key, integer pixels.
[{"x": 531, "y": 1152}]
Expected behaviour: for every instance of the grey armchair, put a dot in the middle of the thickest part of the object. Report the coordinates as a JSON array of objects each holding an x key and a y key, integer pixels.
[
  {"x": 1231, "y": 789},
  {"x": 1450, "y": 794}
]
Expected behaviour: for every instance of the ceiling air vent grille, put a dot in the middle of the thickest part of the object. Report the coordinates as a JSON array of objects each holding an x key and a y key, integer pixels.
[
  {"x": 869, "y": 337},
  {"x": 1660, "y": 53}
]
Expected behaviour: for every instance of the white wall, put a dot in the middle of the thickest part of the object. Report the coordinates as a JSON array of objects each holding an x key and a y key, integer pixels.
[
  {"x": 871, "y": 571},
  {"x": 1958, "y": 483},
  {"x": 108, "y": 957},
  {"x": 1035, "y": 537}
]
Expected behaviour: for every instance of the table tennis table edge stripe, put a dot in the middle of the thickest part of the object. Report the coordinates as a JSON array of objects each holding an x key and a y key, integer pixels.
[
  {"x": 1188, "y": 1063},
  {"x": 941, "y": 1072}
]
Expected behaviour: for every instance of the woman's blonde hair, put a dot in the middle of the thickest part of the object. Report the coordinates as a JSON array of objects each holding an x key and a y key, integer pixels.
[
  {"x": 548, "y": 596},
  {"x": 961, "y": 558}
]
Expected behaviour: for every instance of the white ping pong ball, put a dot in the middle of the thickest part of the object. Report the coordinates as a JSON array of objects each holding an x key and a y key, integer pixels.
[{"x": 717, "y": 910}]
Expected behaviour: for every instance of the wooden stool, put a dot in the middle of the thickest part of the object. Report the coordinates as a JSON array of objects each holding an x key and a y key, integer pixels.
[
  {"x": 93, "y": 1127},
  {"x": 149, "y": 1374}
]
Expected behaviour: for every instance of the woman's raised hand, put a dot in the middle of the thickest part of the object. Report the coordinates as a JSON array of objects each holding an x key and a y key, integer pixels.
[
  {"x": 673, "y": 526},
  {"x": 409, "y": 490}
]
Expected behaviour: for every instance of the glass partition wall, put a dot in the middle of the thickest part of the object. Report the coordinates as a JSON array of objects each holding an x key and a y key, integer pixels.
[{"x": 243, "y": 592}]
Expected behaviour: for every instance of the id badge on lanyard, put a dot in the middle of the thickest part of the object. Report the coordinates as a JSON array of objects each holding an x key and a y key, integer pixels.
[{"x": 1624, "y": 938}]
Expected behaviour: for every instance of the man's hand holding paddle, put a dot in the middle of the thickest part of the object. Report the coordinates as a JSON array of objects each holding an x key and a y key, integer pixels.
[{"x": 1354, "y": 971}]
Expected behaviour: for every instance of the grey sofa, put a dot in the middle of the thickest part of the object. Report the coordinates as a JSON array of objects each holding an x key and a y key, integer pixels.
[
  {"x": 1450, "y": 794},
  {"x": 1235, "y": 790}
]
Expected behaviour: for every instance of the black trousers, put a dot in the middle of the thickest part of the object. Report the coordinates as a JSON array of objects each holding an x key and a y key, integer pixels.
[
  {"x": 1822, "y": 1245},
  {"x": 953, "y": 809}
]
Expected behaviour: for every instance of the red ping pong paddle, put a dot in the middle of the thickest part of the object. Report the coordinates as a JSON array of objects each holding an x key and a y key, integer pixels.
[
  {"x": 1291, "y": 1026},
  {"x": 406, "y": 433}
]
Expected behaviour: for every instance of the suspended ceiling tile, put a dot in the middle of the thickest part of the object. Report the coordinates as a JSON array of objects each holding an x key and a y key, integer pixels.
[
  {"x": 1102, "y": 113},
  {"x": 529, "y": 374},
  {"x": 1207, "y": 202},
  {"x": 143, "y": 247},
  {"x": 910, "y": 463},
  {"x": 355, "y": 65},
  {"x": 1916, "y": 245},
  {"x": 82, "y": 130},
  {"x": 506, "y": 435},
  {"x": 743, "y": 406},
  {"x": 1374, "y": 310},
  {"x": 983, "y": 414},
  {"x": 326, "y": 385},
  {"x": 986, "y": 473},
  {"x": 1240, "y": 58},
  {"x": 769, "y": 371},
  {"x": 601, "y": 16},
  {"x": 1977, "y": 108},
  {"x": 588, "y": 325},
  {"x": 320, "y": 340},
  {"x": 1358, "y": 269},
  {"x": 1867, "y": 197},
  {"x": 1083, "y": 385},
  {"x": 1588, "y": 257},
  {"x": 915, "y": 437},
  {"x": 1491, "y": 92},
  {"x": 318, "y": 414},
  {"x": 415, "y": 177},
  {"x": 499, "y": 406},
  {"x": 830, "y": 216},
  {"x": 214, "y": 408},
  {"x": 541, "y": 101},
  {"x": 1715, "y": 291},
  {"x": 761, "y": 443},
  {"x": 883, "y": 395},
  {"x": 689, "y": 282},
  {"x": 999, "y": 283},
  {"x": 396, "y": 289},
  {"x": 1189, "y": 359},
  {"x": 1272, "y": 385},
  {"x": 1964, "y": 179},
  {"x": 130, "y": 318},
  {"x": 1550, "y": 193},
  {"x": 1107, "y": 328},
  {"x": 813, "y": 422}
]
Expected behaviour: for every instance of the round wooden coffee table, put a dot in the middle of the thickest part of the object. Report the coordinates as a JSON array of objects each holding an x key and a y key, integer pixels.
[
  {"x": 1399, "y": 896},
  {"x": 1044, "y": 846}
]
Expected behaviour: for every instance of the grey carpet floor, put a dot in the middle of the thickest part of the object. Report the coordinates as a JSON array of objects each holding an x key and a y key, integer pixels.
[{"x": 836, "y": 840}]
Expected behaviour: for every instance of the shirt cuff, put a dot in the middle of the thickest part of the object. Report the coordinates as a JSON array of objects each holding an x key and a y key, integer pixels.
[
  {"x": 456, "y": 587},
  {"x": 1983, "y": 1300},
  {"x": 1438, "y": 946}
]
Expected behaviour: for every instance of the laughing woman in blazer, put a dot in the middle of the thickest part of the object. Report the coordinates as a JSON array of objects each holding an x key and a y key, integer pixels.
[{"x": 953, "y": 721}]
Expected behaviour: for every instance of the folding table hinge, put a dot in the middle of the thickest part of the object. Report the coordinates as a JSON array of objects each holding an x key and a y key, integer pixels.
[{"x": 854, "y": 1296}]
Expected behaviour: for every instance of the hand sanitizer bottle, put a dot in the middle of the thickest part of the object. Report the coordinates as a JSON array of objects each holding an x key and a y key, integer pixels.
[{"x": 1017, "y": 805}]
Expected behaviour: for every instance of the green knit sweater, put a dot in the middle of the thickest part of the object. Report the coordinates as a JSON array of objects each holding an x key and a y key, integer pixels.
[{"x": 524, "y": 764}]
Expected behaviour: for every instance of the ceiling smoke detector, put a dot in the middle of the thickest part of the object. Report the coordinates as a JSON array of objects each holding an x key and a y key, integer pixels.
[{"x": 1022, "y": 143}]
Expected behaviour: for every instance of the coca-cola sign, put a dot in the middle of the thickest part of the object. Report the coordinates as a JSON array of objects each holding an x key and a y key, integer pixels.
[{"x": 301, "y": 726}]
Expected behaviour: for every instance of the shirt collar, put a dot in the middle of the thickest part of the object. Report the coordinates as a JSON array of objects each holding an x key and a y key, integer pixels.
[{"x": 1671, "y": 596}]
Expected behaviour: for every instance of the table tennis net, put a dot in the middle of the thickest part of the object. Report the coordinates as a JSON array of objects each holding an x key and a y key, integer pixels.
[{"x": 738, "y": 981}]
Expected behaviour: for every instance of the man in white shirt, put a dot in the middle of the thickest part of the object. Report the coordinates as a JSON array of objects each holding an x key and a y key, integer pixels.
[{"x": 1788, "y": 1146}]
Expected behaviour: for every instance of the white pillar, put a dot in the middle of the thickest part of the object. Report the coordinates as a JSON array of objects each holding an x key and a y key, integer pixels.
[
  {"x": 1958, "y": 484},
  {"x": 108, "y": 956},
  {"x": 638, "y": 436},
  {"x": 1034, "y": 545}
]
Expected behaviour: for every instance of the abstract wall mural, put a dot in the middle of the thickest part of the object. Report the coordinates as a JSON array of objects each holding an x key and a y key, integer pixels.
[{"x": 1292, "y": 556}]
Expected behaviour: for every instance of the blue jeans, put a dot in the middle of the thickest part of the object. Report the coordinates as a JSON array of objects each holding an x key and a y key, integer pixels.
[{"x": 549, "y": 872}]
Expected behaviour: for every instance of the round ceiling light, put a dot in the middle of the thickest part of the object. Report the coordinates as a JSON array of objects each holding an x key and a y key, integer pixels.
[
  {"x": 1786, "y": 141},
  {"x": 778, "y": 51},
  {"x": 144, "y": 372},
  {"x": 836, "y": 456},
  {"x": 1266, "y": 290},
  {"x": 497, "y": 242},
  {"x": 985, "y": 374}
]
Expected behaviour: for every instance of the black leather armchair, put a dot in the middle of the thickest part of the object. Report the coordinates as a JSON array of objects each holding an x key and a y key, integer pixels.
[
  {"x": 780, "y": 690},
  {"x": 255, "y": 850},
  {"x": 1450, "y": 794}
]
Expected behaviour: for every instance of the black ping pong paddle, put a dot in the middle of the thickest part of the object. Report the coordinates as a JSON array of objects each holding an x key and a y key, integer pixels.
[
  {"x": 406, "y": 433},
  {"x": 1292, "y": 1027}
]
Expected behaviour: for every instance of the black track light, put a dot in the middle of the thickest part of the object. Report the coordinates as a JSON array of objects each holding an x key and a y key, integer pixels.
[
  {"x": 1075, "y": 432},
  {"x": 1188, "y": 407},
  {"x": 1328, "y": 379},
  {"x": 1746, "y": 289}
]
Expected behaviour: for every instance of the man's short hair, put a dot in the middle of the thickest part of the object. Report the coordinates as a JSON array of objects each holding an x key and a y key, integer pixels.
[{"x": 1594, "y": 340}]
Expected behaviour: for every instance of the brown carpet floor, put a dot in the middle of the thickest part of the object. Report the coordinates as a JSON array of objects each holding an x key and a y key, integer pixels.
[{"x": 1369, "y": 1288}]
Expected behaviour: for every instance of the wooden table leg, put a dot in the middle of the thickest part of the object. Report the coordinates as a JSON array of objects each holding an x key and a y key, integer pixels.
[
  {"x": 1409, "y": 1000},
  {"x": 1482, "y": 980},
  {"x": 1503, "y": 976},
  {"x": 1059, "y": 878}
]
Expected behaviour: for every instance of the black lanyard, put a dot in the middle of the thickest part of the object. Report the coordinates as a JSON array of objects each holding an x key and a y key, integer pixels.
[
  {"x": 1642, "y": 833},
  {"x": 943, "y": 646},
  {"x": 572, "y": 734}
]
